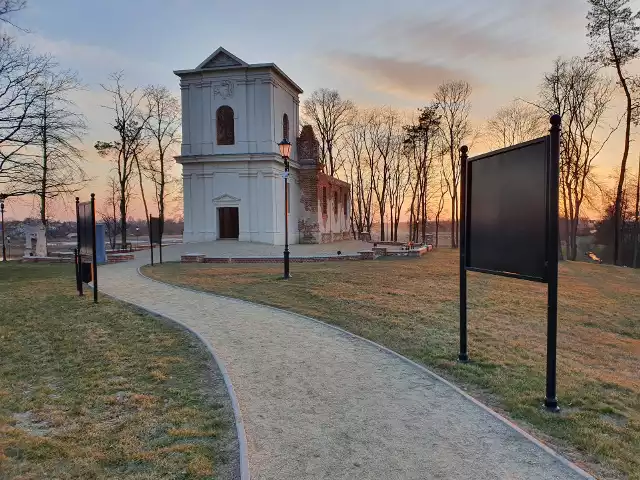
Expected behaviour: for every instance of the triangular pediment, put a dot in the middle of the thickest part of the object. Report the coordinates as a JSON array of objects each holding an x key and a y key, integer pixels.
[
  {"x": 226, "y": 198},
  {"x": 221, "y": 58}
]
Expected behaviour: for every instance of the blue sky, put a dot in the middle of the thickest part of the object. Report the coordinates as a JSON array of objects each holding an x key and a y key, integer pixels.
[{"x": 374, "y": 52}]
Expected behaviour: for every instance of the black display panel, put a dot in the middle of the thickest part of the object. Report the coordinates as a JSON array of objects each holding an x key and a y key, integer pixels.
[
  {"x": 507, "y": 211},
  {"x": 85, "y": 228},
  {"x": 155, "y": 230}
]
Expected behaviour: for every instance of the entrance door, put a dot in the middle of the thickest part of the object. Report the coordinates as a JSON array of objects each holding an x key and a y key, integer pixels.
[{"x": 228, "y": 222}]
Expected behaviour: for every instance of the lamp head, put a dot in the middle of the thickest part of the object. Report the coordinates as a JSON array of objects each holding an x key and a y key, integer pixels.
[{"x": 285, "y": 148}]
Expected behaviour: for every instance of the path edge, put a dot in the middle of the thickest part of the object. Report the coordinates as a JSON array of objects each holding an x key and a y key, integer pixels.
[
  {"x": 565, "y": 461},
  {"x": 242, "y": 438}
]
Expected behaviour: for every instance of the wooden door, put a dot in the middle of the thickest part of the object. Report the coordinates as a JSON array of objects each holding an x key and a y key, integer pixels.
[{"x": 228, "y": 222}]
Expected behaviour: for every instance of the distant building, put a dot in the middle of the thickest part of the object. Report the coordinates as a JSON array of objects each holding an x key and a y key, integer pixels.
[{"x": 233, "y": 116}]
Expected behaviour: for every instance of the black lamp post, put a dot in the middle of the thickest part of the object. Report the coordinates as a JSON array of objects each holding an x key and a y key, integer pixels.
[
  {"x": 137, "y": 234},
  {"x": 4, "y": 250},
  {"x": 285, "y": 151}
]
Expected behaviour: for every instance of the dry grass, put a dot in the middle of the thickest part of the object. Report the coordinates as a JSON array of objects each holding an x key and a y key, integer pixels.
[
  {"x": 411, "y": 306},
  {"x": 102, "y": 391}
]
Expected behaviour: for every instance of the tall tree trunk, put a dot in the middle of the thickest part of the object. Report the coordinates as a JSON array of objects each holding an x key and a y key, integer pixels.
[
  {"x": 571, "y": 254},
  {"x": 637, "y": 236},
  {"x": 115, "y": 227},
  {"x": 123, "y": 215},
  {"x": 144, "y": 199},
  {"x": 617, "y": 223},
  {"x": 453, "y": 223},
  {"x": 574, "y": 242},
  {"x": 566, "y": 220},
  {"x": 43, "y": 185},
  {"x": 457, "y": 221},
  {"x": 161, "y": 199}
]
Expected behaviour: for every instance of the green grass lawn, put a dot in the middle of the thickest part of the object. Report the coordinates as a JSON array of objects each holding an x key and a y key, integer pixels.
[
  {"x": 103, "y": 391},
  {"x": 411, "y": 306}
]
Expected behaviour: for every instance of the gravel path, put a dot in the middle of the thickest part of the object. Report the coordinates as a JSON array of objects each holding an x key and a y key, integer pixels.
[{"x": 317, "y": 403}]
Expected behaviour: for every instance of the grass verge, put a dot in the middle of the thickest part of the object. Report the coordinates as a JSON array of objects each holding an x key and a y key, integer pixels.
[
  {"x": 103, "y": 391},
  {"x": 411, "y": 306}
]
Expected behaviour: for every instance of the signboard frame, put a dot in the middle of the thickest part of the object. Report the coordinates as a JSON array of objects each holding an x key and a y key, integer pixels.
[
  {"x": 156, "y": 228},
  {"x": 550, "y": 246},
  {"x": 86, "y": 238}
]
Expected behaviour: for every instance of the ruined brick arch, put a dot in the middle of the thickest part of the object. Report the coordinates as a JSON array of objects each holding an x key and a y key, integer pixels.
[{"x": 225, "y": 125}]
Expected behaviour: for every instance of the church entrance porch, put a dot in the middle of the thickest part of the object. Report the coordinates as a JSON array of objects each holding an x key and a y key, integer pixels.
[{"x": 228, "y": 223}]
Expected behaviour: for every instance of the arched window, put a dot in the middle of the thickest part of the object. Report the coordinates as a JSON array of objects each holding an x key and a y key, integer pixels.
[
  {"x": 225, "y": 125},
  {"x": 285, "y": 126}
]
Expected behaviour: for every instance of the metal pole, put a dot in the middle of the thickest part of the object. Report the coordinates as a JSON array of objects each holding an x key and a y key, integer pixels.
[
  {"x": 80, "y": 293},
  {"x": 551, "y": 401},
  {"x": 95, "y": 252},
  {"x": 286, "y": 219},
  {"x": 76, "y": 258},
  {"x": 463, "y": 356},
  {"x": 151, "y": 238},
  {"x": 4, "y": 250},
  {"x": 161, "y": 220}
]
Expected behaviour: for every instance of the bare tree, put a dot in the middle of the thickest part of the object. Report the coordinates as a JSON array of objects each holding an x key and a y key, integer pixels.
[
  {"x": 359, "y": 174},
  {"x": 454, "y": 109},
  {"x": 440, "y": 200},
  {"x": 330, "y": 116},
  {"x": 7, "y": 7},
  {"x": 124, "y": 150},
  {"x": 162, "y": 127},
  {"x": 419, "y": 145},
  {"x": 139, "y": 168},
  {"x": 380, "y": 147},
  {"x": 582, "y": 96},
  {"x": 20, "y": 74},
  {"x": 55, "y": 168},
  {"x": 515, "y": 123},
  {"x": 613, "y": 32},
  {"x": 108, "y": 213},
  {"x": 399, "y": 182}
]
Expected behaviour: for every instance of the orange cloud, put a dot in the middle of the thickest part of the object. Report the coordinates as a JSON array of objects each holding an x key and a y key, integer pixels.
[{"x": 401, "y": 77}]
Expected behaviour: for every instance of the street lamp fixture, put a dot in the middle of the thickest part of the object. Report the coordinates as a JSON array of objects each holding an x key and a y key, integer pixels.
[
  {"x": 285, "y": 151},
  {"x": 137, "y": 234}
]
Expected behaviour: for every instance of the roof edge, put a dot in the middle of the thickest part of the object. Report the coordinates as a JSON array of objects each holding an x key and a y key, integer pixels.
[{"x": 271, "y": 66}]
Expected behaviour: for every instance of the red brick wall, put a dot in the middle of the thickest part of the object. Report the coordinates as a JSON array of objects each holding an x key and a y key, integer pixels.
[{"x": 309, "y": 190}]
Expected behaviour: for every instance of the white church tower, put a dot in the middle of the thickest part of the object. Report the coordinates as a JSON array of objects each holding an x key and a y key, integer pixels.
[{"x": 233, "y": 116}]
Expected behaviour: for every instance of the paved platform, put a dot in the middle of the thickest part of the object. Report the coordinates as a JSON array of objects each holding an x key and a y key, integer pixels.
[{"x": 318, "y": 403}]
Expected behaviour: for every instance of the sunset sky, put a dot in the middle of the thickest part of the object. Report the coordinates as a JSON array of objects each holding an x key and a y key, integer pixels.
[{"x": 375, "y": 52}]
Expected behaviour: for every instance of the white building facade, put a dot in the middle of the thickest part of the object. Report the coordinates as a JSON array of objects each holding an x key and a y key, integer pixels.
[{"x": 233, "y": 116}]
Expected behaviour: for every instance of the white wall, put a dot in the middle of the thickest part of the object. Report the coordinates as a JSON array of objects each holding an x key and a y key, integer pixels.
[
  {"x": 257, "y": 190},
  {"x": 258, "y": 99},
  {"x": 285, "y": 102}
]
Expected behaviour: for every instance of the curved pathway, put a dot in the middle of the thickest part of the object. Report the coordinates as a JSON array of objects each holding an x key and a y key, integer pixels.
[{"x": 317, "y": 403}]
